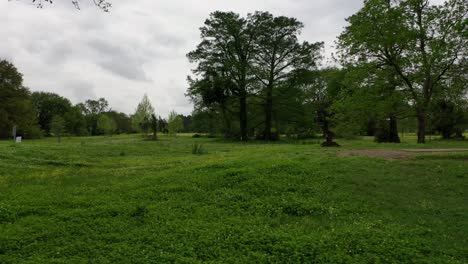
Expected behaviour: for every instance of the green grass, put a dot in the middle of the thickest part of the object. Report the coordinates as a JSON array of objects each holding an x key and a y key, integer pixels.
[{"x": 124, "y": 200}]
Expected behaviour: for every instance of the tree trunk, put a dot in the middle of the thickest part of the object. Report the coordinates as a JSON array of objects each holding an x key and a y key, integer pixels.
[
  {"x": 243, "y": 115},
  {"x": 227, "y": 123},
  {"x": 268, "y": 113},
  {"x": 393, "y": 132},
  {"x": 421, "y": 116},
  {"x": 329, "y": 135}
]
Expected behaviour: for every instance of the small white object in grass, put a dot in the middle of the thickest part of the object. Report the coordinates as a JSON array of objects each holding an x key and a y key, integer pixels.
[{"x": 19, "y": 139}]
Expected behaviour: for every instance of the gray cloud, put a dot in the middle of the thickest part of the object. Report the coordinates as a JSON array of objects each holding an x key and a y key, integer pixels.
[{"x": 139, "y": 47}]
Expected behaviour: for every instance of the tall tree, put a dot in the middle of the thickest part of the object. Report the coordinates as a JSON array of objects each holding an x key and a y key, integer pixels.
[
  {"x": 278, "y": 53},
  {"x": 226, "y": 48},
  {"x": 16, "y": 109},
  {"x": 421, "y": 42},
  {"x": 142, "y": 114}
]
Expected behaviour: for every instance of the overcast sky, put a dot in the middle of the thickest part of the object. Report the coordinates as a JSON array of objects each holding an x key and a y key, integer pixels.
[{"x": 137, "y": 48}]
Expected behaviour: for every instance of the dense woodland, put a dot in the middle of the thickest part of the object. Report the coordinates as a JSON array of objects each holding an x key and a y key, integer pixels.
[{"x": 400, "y": 66}]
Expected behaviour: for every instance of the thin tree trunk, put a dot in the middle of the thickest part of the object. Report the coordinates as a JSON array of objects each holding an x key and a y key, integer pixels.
[
  {"x": 243, "y": 115},
  {"x": 268, "y": 113},
  {"x": 227, "y": 123}
]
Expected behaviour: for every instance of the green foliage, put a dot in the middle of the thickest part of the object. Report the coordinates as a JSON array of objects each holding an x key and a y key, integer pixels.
[
  {"x": 57, "y": 127},
  {"x": 419, "y": 42},
  {"x": 197, "y": 149},
  {"x": 175, "y": 123},
  {"x": 92, "y": 109},
  {"x": 49, "y": 105},
  {"x": 224, "y": 58},
  {"x": 240, "y": 202},
  {"x": 106, "y": 125},
  {"x": 449, "y": 119},
  {"x": 122, "y": 121},
  {"x": 16, "y": 108},
  {"x": 142, "y": 115}
]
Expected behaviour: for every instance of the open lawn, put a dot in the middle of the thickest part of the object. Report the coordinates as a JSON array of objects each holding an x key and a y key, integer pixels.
[{"x": 124, "y": 200}]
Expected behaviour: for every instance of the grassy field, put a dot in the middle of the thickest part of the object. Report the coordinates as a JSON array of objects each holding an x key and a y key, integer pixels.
[{"x": 124, "y": 200}]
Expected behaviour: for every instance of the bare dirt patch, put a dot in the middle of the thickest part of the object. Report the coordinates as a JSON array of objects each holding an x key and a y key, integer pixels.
[
  {"x": 373, "y": 153},
  {"x": 435, "y": 150},
  {"x": 403, "y": 154}
]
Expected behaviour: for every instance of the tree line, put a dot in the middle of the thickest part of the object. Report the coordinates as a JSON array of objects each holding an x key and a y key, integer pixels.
[
  {"x": 36, "y": 114},
  {"x": 399, "y": 63}
]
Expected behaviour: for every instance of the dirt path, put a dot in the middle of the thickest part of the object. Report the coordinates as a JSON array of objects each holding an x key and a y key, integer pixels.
[
  {"x": 434, "y": 150},
  {"x": 402, "y": 154}
]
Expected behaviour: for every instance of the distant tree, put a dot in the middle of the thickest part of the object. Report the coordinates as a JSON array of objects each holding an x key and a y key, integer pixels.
[
  {"x": 122, "y": 121},
  {"x": 277, "y": 54},
  {"x": 106, "y": 125},
  {"x": 422, "y": 43},
  {"x": 92, "y": 109},
  {"x": 162, "y": 125},
  {"x": 208, "y": 121},
  {"x": 75, "y": 122},
  {"x": 95, "y": 107},
  {"x": 187, "y": 121},
  {"x": 175, "y": 123},
  {"x": 57, "y": 127},
  {"x": 142, "y": 115},
  {"x": 16, "y": 108},
  {"x": 49, "y": 105}
]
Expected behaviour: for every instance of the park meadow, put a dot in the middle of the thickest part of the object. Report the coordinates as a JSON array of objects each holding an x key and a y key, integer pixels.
[
  {"x": 123, "y": 199},
  {"x": 274, "y": 131}
]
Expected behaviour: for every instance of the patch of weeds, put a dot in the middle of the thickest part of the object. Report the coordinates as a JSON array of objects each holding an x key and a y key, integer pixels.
[
  {"x": 197, "y": 149},
  {"x": 300, "y": 210},
  {"x": 139, "y": 212},
  {"x": 7, "y": 215},
  {"x": 122, "y": 154}
]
